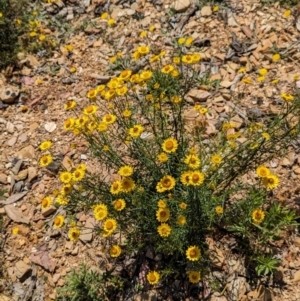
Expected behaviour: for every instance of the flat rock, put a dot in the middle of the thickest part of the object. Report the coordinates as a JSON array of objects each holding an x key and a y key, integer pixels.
[
  {"x": 26, "y": 153},
  {"x": 22, "y": 269},
  {"x": 206, "y": 11},
  {"x": 87, "y": 233},
  {"x": 48, "y": 211},
  {"x": 32, "y": 173},
  {"x": 182, "y": 5},
  {"x": 8, "y": 94},
  {"x": 198, "y": 95},
  {"x": 12, "y": 141},
  {"x": 3, "y": 178},
  {"x": 22, "y": 175}
]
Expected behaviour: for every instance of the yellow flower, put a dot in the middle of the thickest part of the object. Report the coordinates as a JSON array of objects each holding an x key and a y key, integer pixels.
[
  {"x": 73, "y": 69},
  {"x": 253, "y": 145},
  {"x": 46, "y": 202},
  {"x": 110, "y": 225},
  {"x": 115, "y": 187},
  {"x": 100, "y": 212},
  {"x": 152, "y": 28},
  {"x": 296, "y": 77},
  {"x": 126, "y": 113},
  {"x": 162, "y": 214},
  {"x": 276, "y": 57},
  {"x": 119, "y": 204},
  {"x": 111, "y": 22},
  {"x": 193, "y": 253},
  {"x": 74, "y": 234},
  {"x": 196, "y": 178},
  {"x": 287, "y": 97},
  {"x": 136, "y": 55},
  {"x": 182, "y": 205},
  {"x": 45, "y": 145},
  {"x": 109, "y": 118},
  {"x": 91, "y": 94},
  {"x": 66, "y": 189},
  {"x": 271, "y": 181},
  {"x": 42, "y": 37},
  {"x": 215, "y": 8},
  {"x": 154, "y": 58},
  {"x": 176, "y": 60},
  {"x": 125, "y": 171},
  {"x": 90, "y": 110},
  {"x": 1, "y": 15},
  {"x": 164, "y": 230},
  {"x": 61, "y": 200},
  {"x": 58, "y": 222},
  {"x": 196, "y": 57},
  {"x": 46, "y": 160},
  {"x": 18, "y": 22},
  {"x": 262, "y": 71},
  {"x": 69, "y": 47},
  {"x": 32, "y": 34},
  {"x": 127, "y": 185},
  {"x": 275, "y": 81},
  {"x": 153, "y": 277},
  {"x": 124, "y": 75},
  {"x": 112, "y": 59},
  {"x": 39, "y": 81},
  {"x": 167, "y": 69},
  {"x": 104, "y": 16},
  {"x": 287, "y": 13},
  {"x": 263, "y": 171},
  {"x": 203, "y": 111},
  {"x": 145, "y": 75},
  {"x": 135, "y": 78},
  {"x": 247, "y": 80},
  {"x": 194, "y": 276},
  {"x": 216, "y": 159},
  {"x": 181, "y": 41},
  {"x": 78, "y": 175},
  {"x": 143, "y": 50},
  {"x": 192, "y": 161},
  {"x": 143, "y": 34},
  {"x": 81, "y": 166},
  {"x": 170, "y": 145},
  {"x": 65, "y": 177},
  {"x": 242, "y": 70},
  {"x": 219, "y": 210},
  {"x": 228, "y": 126},
  {"x": 185, "y": 178},
  {"x": 162, "y": 204},
  {"x": 181, "y": 220},
  {"x": 189, "y": 41},
  {"x": 261, "y": 79},
  {"x": 176, "y": 99},
  {"x": 70, "y": 104},
  {"x": 187, "y": 59},
  {"x": 165, "y": 184},
  {"x": 15, "y": 230},
  {"x": 115, "y": 251},
  {"x": 258, "y": 216},
  {"x": 136, "y": 131},
  {"x": 266, "y": 136}
]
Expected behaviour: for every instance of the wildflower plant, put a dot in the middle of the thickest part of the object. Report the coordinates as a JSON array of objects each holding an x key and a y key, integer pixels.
[{"x": 172, "y": 184}]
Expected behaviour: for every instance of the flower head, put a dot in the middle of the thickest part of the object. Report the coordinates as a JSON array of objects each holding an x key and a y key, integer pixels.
[
  {"x": 170, "y": 145},
  {"x": 143, "y": 50},
  {"x": 271, "y": 181},
  {"x": 127, "y": 185},
  {"x": 115, "y": 187},
  {"x": 162, "y": 214},
  {"x": 216, "y": 159},
  {"x": 119, "y": 204},
  {"x": 196, "y": 178},
  {"x": 90, "y": 110},
  {"x": 219, "y": 210},
  {"x": 193, "y": 253},
  {"x": 45, "y": 145},
  {"x": 192, "y": 161},
  {"x": 65, "y": 177},
  {"x": 58, "y": 222},
  {"x": 263, "y": 171},
  {"x": 115, "y": 251},
  {"x": 276, "y": 57},
  {"x": 46, "y": 160},
  {"x": 162, "y": 204},
  {"x": 165, "y": 184},
  {"x": 164, "y": 230},
  {"x": 136, "y": 131},
  {"x": 181, "y": 220},
  {"x": 74, "y": 234},
  {"x": 78, "y": 175},
  {"x": 258, "y": 216},
  {"x": 100, "y": 212},
  {"x": 162, "y": 157},
  {"x": 46, "y": 202},
  {"x": 110, "y": 225},
  {"x": 194, "y": 276},
  {"x": 153, "y": 277},
  {"x": 125, "y": 171}
]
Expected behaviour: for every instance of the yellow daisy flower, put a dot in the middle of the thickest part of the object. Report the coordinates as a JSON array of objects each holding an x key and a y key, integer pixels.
[
  {"x": 192, "y": 161},
  {"x": 162, "y": 214},
  {"x": 193, "y": 253},
  {"x": 170, "y": 145},
  {"x": 115, "y": 251},
  {"x": 153, "y": 277},
  {"x": 164, "y": 230},
  {"x": 258, "y": 216},
  {"x": 58, "y": 222},
  {"x": 194, "y": 276},
  {"x": 119, "y": 204},
  {"x": 125, "y": 171},
  {"x": 115, "y": 187},
  {"x": 65, "y": 177},
  {"x": 46, "y": 160},
  {"x": 165, "y": 184},
  {"x": 45, "y": 145},
  {"x": 263, "y": 171},
  {"x": 110, "y": 225},
  {"x": 271, "y": 181},
  {"x": 100, "y": 212},
  {"x": 74, "y": 233}
]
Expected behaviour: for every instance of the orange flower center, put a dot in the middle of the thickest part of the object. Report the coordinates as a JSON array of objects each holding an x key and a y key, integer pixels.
[
  {"x": 169, "y": 144},
  {"x": 114, "y": 251},
  {"x": 115, "y": 185},
  {"x": 44, "y": 203},
  {"x": 89, "y": 109},
  {"x": 57, "y": 221},
  {"x": 108, "y": 118},
  {"x": 195, "y": 177},
  {"x": 163, "y": 213},
  {"x": 193, "y": 253},
  {"x": 271, "y": 181},
  {"x": 77, "y": 173},
  {"x": 152, "y": 277},
  {"x": 109, "y": 225},
  {"x": 167, "y": 183},
  {"x": 118, "y": 204}
]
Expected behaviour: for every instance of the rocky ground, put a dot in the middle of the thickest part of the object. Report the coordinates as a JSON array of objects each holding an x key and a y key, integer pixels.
[{"x": 230, "y": 35}]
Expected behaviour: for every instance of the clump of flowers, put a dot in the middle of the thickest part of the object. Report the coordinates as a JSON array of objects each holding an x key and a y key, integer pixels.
[{"x": 170, "y": 182}]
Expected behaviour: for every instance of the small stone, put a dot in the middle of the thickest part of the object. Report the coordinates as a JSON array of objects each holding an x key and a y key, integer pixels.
[
  {"x": 12, "y": 141},
  {"x": 297, "y": 241},
  {"x": 3, "y": 178},
  {"x": 22, "y": 270},
  {"x": 197, "y": 95},
  {"x": 181, "y": 5},
  {"x": 75, "y": 251},
  {"x": 285, "y": 162},
  {"x": 10, "y": 127},
  {"x": 23, "y": 138},
  {"x": 55, "y": 277},
  {"x": 26, "y": 153},
  {"x": 17, "y": 167},
  {"x": 296, "y": 276},
  {"x": 226, "y": 84},
  {"x": 22, "y": 175},
  {"x": 33, "y": 126},
  {"x": 8, "y": 94},
  {"x": 206, "y": 11},
  {"x": 50, "y": 127},
  {"x": 48, "y": 211},
  {"x": 32, "y": 173},
  {"x": 87, "y": 232}
]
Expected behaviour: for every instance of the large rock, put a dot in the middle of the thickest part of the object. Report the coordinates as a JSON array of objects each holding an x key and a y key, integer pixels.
[
  {"x": 26, "y": 153},
  {"x": 181, "y": 5},
  {"x": 22, "y": 270},
  {"x": 8, "y": 94}
]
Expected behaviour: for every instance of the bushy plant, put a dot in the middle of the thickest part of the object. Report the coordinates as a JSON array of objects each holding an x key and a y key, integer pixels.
[{"x": 170, "y": 184}]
